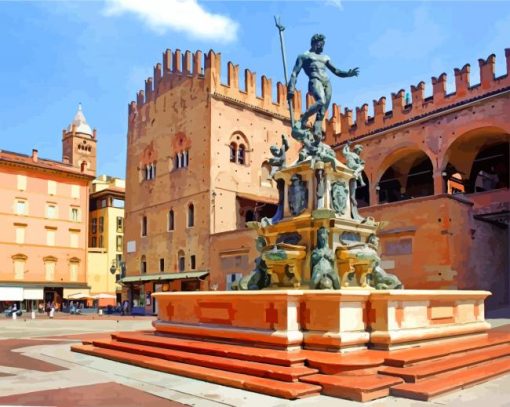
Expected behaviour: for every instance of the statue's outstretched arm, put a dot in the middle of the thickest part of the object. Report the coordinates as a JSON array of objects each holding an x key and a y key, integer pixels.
[
  {"x": 340, "y": 73},
  {"x": 291, "y": 87}
]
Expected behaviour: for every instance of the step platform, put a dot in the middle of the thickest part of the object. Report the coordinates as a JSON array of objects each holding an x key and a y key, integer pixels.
[{"x": 419, "y": 373}]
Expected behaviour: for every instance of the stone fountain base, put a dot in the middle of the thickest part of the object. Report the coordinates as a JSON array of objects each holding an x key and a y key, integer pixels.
[{"x": 330, "y": 320}]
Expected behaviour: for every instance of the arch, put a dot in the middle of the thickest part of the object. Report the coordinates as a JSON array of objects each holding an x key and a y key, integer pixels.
[
  {"x": 48, "y": 259},
  {"x": 265, "y": 175},
  {"x": 404, "y": 174},
  {"x": 74, "y": 260},
  {"x": 83, "y": 166},
  {"x": 481, "y": 157},
  {"x": 239, "y": 147},
  {"x": 191, "y": 215}
]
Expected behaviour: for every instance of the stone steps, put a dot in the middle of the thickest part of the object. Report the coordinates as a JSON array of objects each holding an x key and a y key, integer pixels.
[
  {"x": 412, "y": 356},
  {"x": 453, "y": 380},
  {"x": 262, "y": 355},
  {"x": 356, "y": 388},
  {"x": 434, "y": 367},
  {"x": 275, "y": 372},
  {"x": 287, "y": 390}
]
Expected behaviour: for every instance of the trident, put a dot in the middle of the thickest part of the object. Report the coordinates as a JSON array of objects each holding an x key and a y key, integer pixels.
[{"x": 281, "y": 28}]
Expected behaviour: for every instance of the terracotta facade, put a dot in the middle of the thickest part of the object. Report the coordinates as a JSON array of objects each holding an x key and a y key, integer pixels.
[
  {"x": 43, "y": 220},
  {"x": 186, "y": 131}
]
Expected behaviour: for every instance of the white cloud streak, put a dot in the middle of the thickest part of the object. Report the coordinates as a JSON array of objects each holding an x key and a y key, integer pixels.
[{"x": 186, "y": 16}]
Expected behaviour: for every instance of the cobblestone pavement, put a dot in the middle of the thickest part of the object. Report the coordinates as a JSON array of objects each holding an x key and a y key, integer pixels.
[{"x": 37, "y": 368}]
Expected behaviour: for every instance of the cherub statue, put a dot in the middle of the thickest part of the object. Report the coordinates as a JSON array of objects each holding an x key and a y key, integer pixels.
[
  {"x": 277, "y": 162},
  {"x": 354, "y": 161}
]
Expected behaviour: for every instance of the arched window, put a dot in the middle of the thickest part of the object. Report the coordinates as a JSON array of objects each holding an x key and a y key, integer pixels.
[
  {"x": 181, "y": 261},
  {"x": 241, "y": 154},
  {"x": 191, "y": 215},
  {"x": 185, "y": 159},
  {"x": 83, "y": 166},
  {"x": 265, "y": 174},
  {"x": 233, "y": 152},
  {"x": 143, "y": 265},
  {"x": 171, "y": 220}
]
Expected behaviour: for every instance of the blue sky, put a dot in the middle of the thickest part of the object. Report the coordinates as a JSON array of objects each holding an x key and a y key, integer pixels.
[{"x": 58, "y": 53}]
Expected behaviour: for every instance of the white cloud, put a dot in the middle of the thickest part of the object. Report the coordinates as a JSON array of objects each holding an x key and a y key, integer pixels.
[
  {"x": 335, "y": 3},
  {"x": 185, "y": 16},
  {"x": 419, "y": 42}
]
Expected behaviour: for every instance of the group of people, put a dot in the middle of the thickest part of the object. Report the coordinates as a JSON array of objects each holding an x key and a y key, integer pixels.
[{"x": 50, "y": 308}]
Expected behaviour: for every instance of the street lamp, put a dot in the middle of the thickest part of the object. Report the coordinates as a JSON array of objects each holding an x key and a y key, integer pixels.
[{"x": 113, "y": 267}]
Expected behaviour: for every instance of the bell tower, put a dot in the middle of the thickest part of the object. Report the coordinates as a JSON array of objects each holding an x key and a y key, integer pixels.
[{"x": 79, "y": 144}]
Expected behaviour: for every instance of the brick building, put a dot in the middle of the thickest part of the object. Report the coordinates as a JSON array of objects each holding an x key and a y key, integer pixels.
[
  {"x": 43, "y": 219},
  {"x": 197, "y": 171}
]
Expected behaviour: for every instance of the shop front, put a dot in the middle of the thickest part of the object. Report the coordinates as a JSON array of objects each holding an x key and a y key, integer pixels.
[{"x": 139, "y": 288}]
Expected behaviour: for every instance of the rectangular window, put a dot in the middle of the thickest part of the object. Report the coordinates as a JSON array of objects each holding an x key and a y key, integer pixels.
[
  {"x": 193, "y": 262},
  {"x": 120, "y": 224},
  {"x": 73, "y": 271},
  {"x": 20, "y": 234},
  {"x": 162, "y": 265},
  {"x": 21, "y": 207},
  {"x": 51, "y": 211},
  {"x": 118, "y": 203},
  {"x": 22, "y": 182},
  {"x": 93, "y": 225},
  {"x": 75, "y": 214},
  {"x": 101, "y": 224},
  {"x": 101, "y": 241},
  {"x": 50, "y": 237},
  {"x": 103, "y": 203},
  {"x": 52, "y": 188},
  {"x": 144, "y": 226},
  {"x": 171, "y": 220},
  {"x": 93, "y": 241},
  {"x": 143, "y": 266},
  {"x": 75, "y": 239},
  {"x": 75, "y": 191},
  {"x": 119, "y": 243},
  {"x": 19, "y": 269},
  {"x": 49, "y": 270}
]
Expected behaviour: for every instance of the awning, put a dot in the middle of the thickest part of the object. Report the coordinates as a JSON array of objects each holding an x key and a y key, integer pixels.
[
  {"x": 76, "y": 293},
  {"x": 258, "y": 198},
  {"x": 164, "y": 276},
  {"x": 11, "y": 293},
  {"x": 33, "y": 293}
]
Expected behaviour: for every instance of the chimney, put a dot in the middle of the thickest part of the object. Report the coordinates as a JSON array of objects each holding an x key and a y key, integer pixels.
[{"x": 35, "y": 154}]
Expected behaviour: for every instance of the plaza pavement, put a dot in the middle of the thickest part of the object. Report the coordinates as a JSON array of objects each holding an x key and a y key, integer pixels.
[{"x": 37, "y": 368}]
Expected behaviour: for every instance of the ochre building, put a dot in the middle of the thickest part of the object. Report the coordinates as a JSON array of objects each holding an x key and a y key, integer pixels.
[
  {"x": 43, "y": 220},
  {"x": 437, "y": 176},
  {"x": 106, "y": 237}
]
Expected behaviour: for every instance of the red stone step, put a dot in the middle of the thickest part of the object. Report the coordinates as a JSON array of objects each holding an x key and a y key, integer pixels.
[
  {"x": 360, "y": 362},
  {"x": 435, "y": 367},
  {"x": 426, "y": 389},
  {"x": 276, "y": 372},
  {"x": 407, "y": 357},
  {"x": 251, "y": 353},
  {"x": 357, "y": 388},
  {"x": 287, "y": 390}
]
